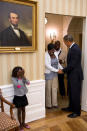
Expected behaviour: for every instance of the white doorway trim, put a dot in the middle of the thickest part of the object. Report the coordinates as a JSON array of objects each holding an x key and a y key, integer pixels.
[{"x": 84, "y": 65}]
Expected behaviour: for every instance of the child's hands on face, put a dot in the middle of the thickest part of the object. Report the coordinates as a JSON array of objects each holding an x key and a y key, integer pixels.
[
  {"x": 20, "y": 74},
  {"x": 23, "y": 72}
]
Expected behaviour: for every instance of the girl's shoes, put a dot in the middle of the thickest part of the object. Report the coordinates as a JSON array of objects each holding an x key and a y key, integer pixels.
[
  {"x": 21, "y": 128},
  {"x": 26, "y": 126}
]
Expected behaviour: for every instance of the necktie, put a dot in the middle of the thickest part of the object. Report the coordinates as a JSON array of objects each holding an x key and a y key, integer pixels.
[{"x": 59, "y": 53}]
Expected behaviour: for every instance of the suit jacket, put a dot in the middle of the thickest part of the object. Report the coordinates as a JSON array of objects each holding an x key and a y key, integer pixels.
[
  {"x": 9, "y": 38},
  {"x": 74, "y": 69}
]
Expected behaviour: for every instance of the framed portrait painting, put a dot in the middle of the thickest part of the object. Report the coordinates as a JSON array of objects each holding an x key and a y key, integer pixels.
[{"x": 18, "y": 26}]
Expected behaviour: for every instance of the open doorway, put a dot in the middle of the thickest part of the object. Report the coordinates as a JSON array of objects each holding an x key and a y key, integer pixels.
[
  {"x": 58, "y": 25},
  {"x": 55, "y": 28}
]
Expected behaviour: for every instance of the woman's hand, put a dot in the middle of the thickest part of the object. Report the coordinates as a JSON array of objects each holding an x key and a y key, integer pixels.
[{"x": 60, "y": 72}]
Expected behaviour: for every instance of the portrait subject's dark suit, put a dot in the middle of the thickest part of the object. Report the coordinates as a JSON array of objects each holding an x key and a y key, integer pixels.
[
  {"x": 9, "y": 38},
  {"x": 75, "y": 77}
]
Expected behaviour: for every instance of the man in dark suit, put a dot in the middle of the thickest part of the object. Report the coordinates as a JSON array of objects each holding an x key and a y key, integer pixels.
[
  {"x": 74, "y": 76},
  {"x": 13, "y": 36}
]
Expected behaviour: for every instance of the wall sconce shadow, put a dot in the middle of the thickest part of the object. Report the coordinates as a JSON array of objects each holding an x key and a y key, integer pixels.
[{"x": 51, "y": 35}]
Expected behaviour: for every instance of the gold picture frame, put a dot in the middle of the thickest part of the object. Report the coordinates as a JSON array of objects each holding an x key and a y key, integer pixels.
[{"x": 12, "y": 39}]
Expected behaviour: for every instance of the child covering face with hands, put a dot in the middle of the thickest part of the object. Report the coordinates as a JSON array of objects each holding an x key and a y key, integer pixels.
[{"x": 20, "y": 90}]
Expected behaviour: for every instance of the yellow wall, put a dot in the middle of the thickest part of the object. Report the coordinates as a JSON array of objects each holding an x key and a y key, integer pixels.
[
  {"x": 33, "y": 63},
  {"x": 54, "y": 22},
  {"x": 66, "y": 7}
]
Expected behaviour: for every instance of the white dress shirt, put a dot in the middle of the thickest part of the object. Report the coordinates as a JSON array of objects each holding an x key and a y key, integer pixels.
[
  {"x": 72, "y": 45},
  {"x": 16, "y": 31}
]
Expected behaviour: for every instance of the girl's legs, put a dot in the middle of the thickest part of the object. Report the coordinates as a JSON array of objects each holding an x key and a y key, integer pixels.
[
  {"x": 19, "y": 113},
  {"x": 23, "y": 115},
  {"x": 23, "y": 118}
]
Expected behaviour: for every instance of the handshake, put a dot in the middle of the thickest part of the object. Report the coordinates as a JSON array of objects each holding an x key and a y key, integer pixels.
[{"x": 60, "y": 71}]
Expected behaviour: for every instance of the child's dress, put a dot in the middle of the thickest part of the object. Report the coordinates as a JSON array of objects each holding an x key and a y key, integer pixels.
[{"x": 20, "y": 90}]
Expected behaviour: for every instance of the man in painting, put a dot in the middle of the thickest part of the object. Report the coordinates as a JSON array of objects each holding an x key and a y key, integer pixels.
[{"x": 12, "y": 35}]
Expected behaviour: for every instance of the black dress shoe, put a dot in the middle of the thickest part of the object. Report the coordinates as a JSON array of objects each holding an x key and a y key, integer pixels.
[
  {"x": 55, "y": 106},
  {"x": 68, "y": 109},
  {"x": 49, "y": 107},
  {"x": 73, "y": 115},
  {"x": 63, "y": 97}
]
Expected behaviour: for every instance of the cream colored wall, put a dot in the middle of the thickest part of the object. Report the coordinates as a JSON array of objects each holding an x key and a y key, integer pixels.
[
  {"x": 33, "y": 63},
  {"x": 76, "y": 29},
  {"x": 60, "y": 23},
  {"x": 54, "y": 22},
  {"x": 66, "y": 7},
  {"x": 66, "y": 22}
]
